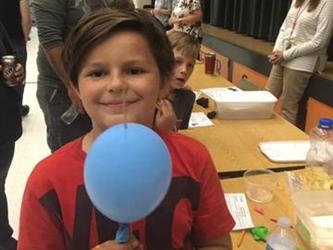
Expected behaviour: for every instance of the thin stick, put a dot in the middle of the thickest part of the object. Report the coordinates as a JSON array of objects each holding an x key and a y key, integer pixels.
[
  {"x": 124, "y": 105},
  {"x": 241, "y": 239}
]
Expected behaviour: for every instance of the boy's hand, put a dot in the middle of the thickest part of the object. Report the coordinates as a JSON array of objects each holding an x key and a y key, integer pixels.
[
  {"x": 166, "y": 118},
  {"x": 133, "y": 244}
]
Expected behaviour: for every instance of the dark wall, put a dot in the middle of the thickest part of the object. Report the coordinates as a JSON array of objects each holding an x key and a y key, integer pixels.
[{"x": 257, "y": 18}]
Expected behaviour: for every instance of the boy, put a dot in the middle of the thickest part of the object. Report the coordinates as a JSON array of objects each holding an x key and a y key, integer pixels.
[
  {"x": 110, "y": 53},
  {"x": 176, "y": 109}
]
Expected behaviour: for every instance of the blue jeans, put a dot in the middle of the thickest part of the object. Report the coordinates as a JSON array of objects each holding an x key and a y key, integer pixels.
[
  {"x": 6, "y": 157},
  {"x": 54, "y": 102}
]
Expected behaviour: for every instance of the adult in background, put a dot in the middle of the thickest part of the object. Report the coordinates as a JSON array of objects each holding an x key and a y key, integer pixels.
[
  {"x": 54, "y": 20},
  {"x": 299, "y": 51},
  {"x": 186, "y": 17},
  {"x": 162, "y": 10},
  {"x": 15, "y": 16},
  {"x": 10, "y": 131}
]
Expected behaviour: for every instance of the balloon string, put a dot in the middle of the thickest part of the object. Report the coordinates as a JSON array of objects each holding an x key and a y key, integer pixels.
[{"x": 124, "y": 104}]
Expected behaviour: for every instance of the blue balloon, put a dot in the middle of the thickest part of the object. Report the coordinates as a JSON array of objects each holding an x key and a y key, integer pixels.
[{"x": 127, "y": 172}]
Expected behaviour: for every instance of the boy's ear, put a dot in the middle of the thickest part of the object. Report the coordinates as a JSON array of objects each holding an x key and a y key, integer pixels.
[
  {"x": 75, "y": 88},
  {"x": 164, "y": 90}
]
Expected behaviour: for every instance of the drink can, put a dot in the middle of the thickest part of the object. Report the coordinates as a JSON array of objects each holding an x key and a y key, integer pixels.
[
  {"x": 8, "y": 63},
  {"x": 210, "y": 63}
]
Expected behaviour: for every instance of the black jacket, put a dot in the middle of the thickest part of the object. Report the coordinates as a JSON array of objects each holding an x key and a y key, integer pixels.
[
  {"x": 182, "y": 102},
  {"x": 10, "y": 116}
]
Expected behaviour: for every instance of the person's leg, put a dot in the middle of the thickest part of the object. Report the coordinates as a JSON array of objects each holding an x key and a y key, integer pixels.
[
  {"x": 294, "y": 85},
  {"x": 66, "y": 132},
  {"x": 45, "y": 94},
  {"x": 275, "y": 80},
  {"x": 6, "y": 156},
  {"x": 54, "y": 102}
]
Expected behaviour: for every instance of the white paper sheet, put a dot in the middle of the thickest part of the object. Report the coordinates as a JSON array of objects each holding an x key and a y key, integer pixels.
[
  {"x": 199, "y": 119},
  {"x": 239, "y": 210}
]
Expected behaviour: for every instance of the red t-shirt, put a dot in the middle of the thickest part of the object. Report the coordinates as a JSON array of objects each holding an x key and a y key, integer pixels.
[{"x": 57, "y": 213}]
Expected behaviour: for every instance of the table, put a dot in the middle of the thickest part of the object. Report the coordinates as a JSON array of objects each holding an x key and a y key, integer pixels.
[
  {"x": 281, "y": 205},
  {"x": 233, "y": 144}
]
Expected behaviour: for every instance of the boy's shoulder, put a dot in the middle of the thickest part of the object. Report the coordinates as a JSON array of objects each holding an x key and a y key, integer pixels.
[{"x": 61, "y": 161}]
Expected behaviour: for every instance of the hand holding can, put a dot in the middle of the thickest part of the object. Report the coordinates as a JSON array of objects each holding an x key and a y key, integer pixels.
[{"x": 8, "y": 64}]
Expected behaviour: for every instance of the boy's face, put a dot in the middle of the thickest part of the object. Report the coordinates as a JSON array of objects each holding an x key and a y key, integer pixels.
[
  {"x": 119, "y": 75},
  {"x": 184, "y": 65}
]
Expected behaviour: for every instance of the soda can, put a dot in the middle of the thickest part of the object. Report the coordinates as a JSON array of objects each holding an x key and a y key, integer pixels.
[{"x": 9, "y": 63}]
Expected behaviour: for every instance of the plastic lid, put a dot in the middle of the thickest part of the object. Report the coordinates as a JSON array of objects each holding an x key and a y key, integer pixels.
[
  {"x": 325, "y": 123},
  {"x": 283, "y": 222}
]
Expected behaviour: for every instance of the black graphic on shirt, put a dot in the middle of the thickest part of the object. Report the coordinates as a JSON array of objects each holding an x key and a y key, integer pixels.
[{"x": 157, "y": 236}]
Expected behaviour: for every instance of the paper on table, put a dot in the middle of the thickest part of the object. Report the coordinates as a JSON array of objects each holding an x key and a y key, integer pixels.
[
  {"x": 199, "y": 119},
  {"x": 285, "y": 151},
  {"x": 239, "y": 210}
]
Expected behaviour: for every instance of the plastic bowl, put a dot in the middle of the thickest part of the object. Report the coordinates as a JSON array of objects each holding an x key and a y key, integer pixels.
[{"x": 260, "y": 184}]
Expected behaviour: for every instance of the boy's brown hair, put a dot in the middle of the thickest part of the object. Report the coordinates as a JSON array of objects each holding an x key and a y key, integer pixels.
[
  {"x": 184, "y": 43},
  {"x": 99, "y": 25}
]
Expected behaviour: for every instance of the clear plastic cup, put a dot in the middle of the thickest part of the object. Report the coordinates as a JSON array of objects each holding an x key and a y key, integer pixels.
[{"x": 260, "y": 184}]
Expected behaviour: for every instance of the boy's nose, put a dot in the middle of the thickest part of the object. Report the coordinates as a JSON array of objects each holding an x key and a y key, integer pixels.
[
  {"x": 183, "y": 69},
  {"x": 116, "y": 84}
]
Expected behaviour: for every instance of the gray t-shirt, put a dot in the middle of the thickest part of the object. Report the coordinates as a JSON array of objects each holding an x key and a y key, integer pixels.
[{"x": 54, "y": 20}]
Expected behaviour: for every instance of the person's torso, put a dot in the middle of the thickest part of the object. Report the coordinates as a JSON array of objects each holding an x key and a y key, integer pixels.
[
  {"x": 182, "y": 102},
  {"x": 176, "y": 210},
  {"x": 10, "y": 17},
  {"x": 71, "y": 13},
  {"x": 301, "y": 27},
  {"x": 10, "y": 116},
  {"x": 164, "y": 4},
  {"x": 183, "y": 8}
]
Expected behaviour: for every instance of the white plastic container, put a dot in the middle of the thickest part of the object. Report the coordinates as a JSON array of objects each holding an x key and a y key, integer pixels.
[
  {"x": 314, "y": 211},
  {"x": 245, "y": 104}
]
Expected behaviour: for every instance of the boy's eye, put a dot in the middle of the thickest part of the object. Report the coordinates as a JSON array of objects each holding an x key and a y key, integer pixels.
[
  {"x": 190, "y": 65},
  {"x": 135, "y": 71},
  {"x": 178, "y": 62},
  {"x": 97, "y": 73}
]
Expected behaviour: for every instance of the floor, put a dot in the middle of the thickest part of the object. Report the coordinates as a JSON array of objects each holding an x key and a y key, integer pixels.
[{"x": 31, "y": 147}]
